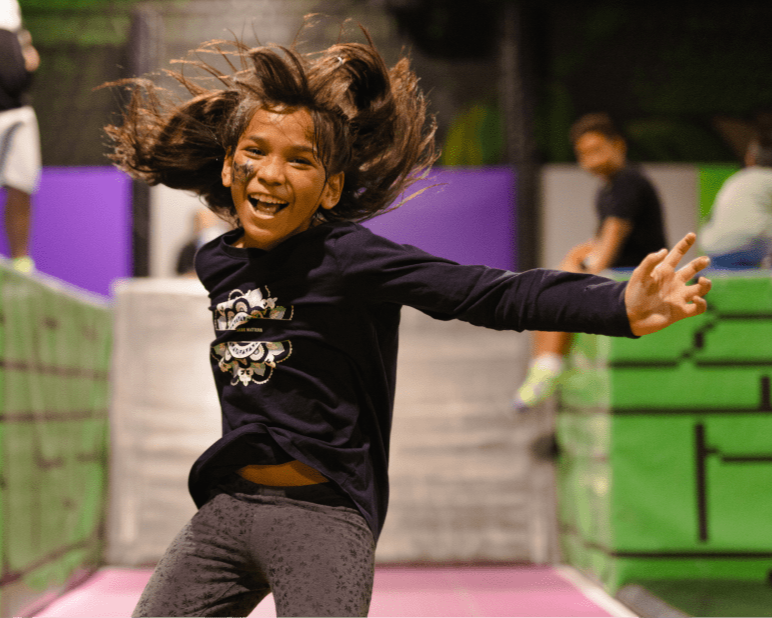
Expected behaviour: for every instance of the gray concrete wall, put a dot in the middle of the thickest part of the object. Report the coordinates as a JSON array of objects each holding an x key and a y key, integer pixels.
[
  {"x": 164, "y": 413},
  {"x": 465, "y": 485}
]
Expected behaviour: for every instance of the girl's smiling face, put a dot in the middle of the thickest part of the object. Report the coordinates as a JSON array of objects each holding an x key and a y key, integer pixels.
[{"x": 276, "y": 181}]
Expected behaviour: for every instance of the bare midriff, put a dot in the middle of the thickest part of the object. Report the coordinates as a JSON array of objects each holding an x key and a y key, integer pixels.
[{"x": 291, "y": 474}]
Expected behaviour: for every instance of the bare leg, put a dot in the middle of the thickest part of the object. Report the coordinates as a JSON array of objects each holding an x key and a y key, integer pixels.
[
  {"x": 551, "y": 342},
  {"x": 18, "y": 212}
]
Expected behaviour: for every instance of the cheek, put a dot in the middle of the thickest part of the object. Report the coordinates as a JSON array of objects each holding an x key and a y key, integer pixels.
[{"x": 242, "y": 171}]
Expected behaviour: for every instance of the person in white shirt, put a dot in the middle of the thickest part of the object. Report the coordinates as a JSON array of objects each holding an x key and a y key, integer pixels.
[{"x": 739, "y": 233}]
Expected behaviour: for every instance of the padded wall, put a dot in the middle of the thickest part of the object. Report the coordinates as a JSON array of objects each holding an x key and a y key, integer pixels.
[
  {"x": 54, "y": 364},
  {"x": 666, "y": 446}
]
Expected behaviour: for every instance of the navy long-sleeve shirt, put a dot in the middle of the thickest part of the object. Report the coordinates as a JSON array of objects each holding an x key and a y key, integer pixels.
[{"x": 305, "y": 353}]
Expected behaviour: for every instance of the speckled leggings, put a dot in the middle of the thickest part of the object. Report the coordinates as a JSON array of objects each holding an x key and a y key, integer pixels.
[{"x": 317, "y": 560}]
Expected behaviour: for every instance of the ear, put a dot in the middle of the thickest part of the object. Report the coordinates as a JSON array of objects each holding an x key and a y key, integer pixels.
[
  {"x": 227, "y": 171},
  {"x": 332, "y": 191}
]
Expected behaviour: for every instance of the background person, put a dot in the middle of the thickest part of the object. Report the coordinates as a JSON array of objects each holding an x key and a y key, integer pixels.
[
  {"x": 630, "y": 226},
  {"x": 19, "y": 137},
  {"x": 739, "y": 232}
]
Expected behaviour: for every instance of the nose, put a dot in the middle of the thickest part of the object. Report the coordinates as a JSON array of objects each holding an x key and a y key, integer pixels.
[{"x": 270, "y": 171}]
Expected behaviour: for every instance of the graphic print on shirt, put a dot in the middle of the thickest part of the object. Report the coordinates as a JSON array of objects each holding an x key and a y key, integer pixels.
[{"x": 249, "y": 361}]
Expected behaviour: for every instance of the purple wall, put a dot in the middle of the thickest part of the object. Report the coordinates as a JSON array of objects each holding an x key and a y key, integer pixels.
[
  {"x": 81, "y": 229},
  {"x": 81, "y": 226},
  {"x": 469, "y": 219}
]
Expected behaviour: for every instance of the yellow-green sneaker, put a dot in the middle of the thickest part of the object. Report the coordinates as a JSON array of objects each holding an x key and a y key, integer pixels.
[
  {"x": 24, "y": 264},
  {"x": 539, "y": 384}
]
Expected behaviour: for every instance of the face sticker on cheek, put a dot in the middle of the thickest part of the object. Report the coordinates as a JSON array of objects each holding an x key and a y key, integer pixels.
[{"x": 242, "y": 171}]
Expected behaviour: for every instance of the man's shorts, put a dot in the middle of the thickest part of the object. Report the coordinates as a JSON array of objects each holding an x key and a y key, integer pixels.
[{"x": 19, "y": 149}]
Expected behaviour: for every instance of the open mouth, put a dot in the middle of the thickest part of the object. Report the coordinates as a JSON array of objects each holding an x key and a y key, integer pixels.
[{"x": 267, "y": 204}]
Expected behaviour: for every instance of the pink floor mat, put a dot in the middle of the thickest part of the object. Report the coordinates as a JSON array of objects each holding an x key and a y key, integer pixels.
[{"x": 399, "y": 591}]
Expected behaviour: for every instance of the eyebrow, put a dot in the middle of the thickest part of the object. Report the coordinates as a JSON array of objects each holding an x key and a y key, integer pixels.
[{"x": 297, "y": 147}]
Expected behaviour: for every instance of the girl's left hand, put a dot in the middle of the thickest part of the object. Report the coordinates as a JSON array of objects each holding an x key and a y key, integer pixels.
[{"x": 658, "y": 295}]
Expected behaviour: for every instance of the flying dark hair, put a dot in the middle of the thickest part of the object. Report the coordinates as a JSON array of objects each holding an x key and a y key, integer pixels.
[
  {"x": 594, "y": 123},
  {"x": 370, "y": 122}
]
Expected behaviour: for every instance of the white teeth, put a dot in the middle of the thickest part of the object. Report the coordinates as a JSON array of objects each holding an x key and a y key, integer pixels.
[
  {"x": 267, "y": 199},
  {"x": 267, "y": 204}
]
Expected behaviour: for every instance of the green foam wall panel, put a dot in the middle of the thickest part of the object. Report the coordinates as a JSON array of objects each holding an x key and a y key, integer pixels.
[
  {"x": 666, "y": 445},
  {"x": 54, "y": 370}
]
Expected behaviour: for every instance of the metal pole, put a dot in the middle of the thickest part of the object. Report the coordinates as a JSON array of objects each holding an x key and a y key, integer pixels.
[
  {"x": 517, "y": 105},
  {"x": 145, "y": 39}
]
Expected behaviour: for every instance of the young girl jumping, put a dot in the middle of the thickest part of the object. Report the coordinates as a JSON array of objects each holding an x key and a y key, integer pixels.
[{"x": 295, "y": 150}]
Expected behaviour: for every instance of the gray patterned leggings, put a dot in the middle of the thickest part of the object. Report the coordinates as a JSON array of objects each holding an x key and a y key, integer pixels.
[{"x": 317, "y": 560}]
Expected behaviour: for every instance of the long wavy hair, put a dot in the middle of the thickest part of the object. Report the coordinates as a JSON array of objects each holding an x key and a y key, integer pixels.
[{"x": 370, "y": 122}]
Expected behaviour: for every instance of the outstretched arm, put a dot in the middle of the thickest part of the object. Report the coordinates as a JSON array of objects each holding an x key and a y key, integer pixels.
[{"x": 658, "y": 294}]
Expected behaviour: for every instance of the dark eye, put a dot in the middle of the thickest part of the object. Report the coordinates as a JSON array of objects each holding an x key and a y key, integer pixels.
[{"x": 254, "y": 150}]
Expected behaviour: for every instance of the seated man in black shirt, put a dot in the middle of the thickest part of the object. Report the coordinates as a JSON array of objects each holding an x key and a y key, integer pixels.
[{"x": 629, "y": 227}]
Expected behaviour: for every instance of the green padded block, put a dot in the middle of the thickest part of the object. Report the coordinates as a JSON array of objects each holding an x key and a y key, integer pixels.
[
  {"x": 574, "y": 551},
  {"x": 3, "y": 498},
  {"x": 603, "y": 567},
  {"x": 91, "y": 501},
  {"x": 716, "y": 597},
  {"x": 616, "y": 500},
  {"x": 739, "y": 478},
  {"x": 726, "y": 373},
  {"x": 59, "y": 394},
  {"x": 45, "y": 335},
  {"x": 52, "y": 490},
  {"x": 593, "y": 561},
  {"x": 741, "y": 293},
  {"x": 584, "y": 484},
  {"x": 666, "y": 346},
  {"x": 92, "y": 436},
  {"x": 745, "y": 341},
  {"x": 675, "y": 568},
  {"x": 739, "y": 297},
  {"x": 740, "y": 433},
  {"x": 613, "y": 571},
  {"x": 99, "y": 399},
  {"x": 53, "y": 433},
  {"x": 585, "y": 387},
  {"x": 653, "y": 484},
  {"x": 3, "y": 316},
  {"x": 55, "y": 574},
  {"x": 22, "y": 307},
  {"x": 687, "y": 387},
  {"x": 636, "y": 410},
  {"x": 739, "y": 505},
  {"x": 584, "y": 435},
  {"x": 642, "y": 497}
]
